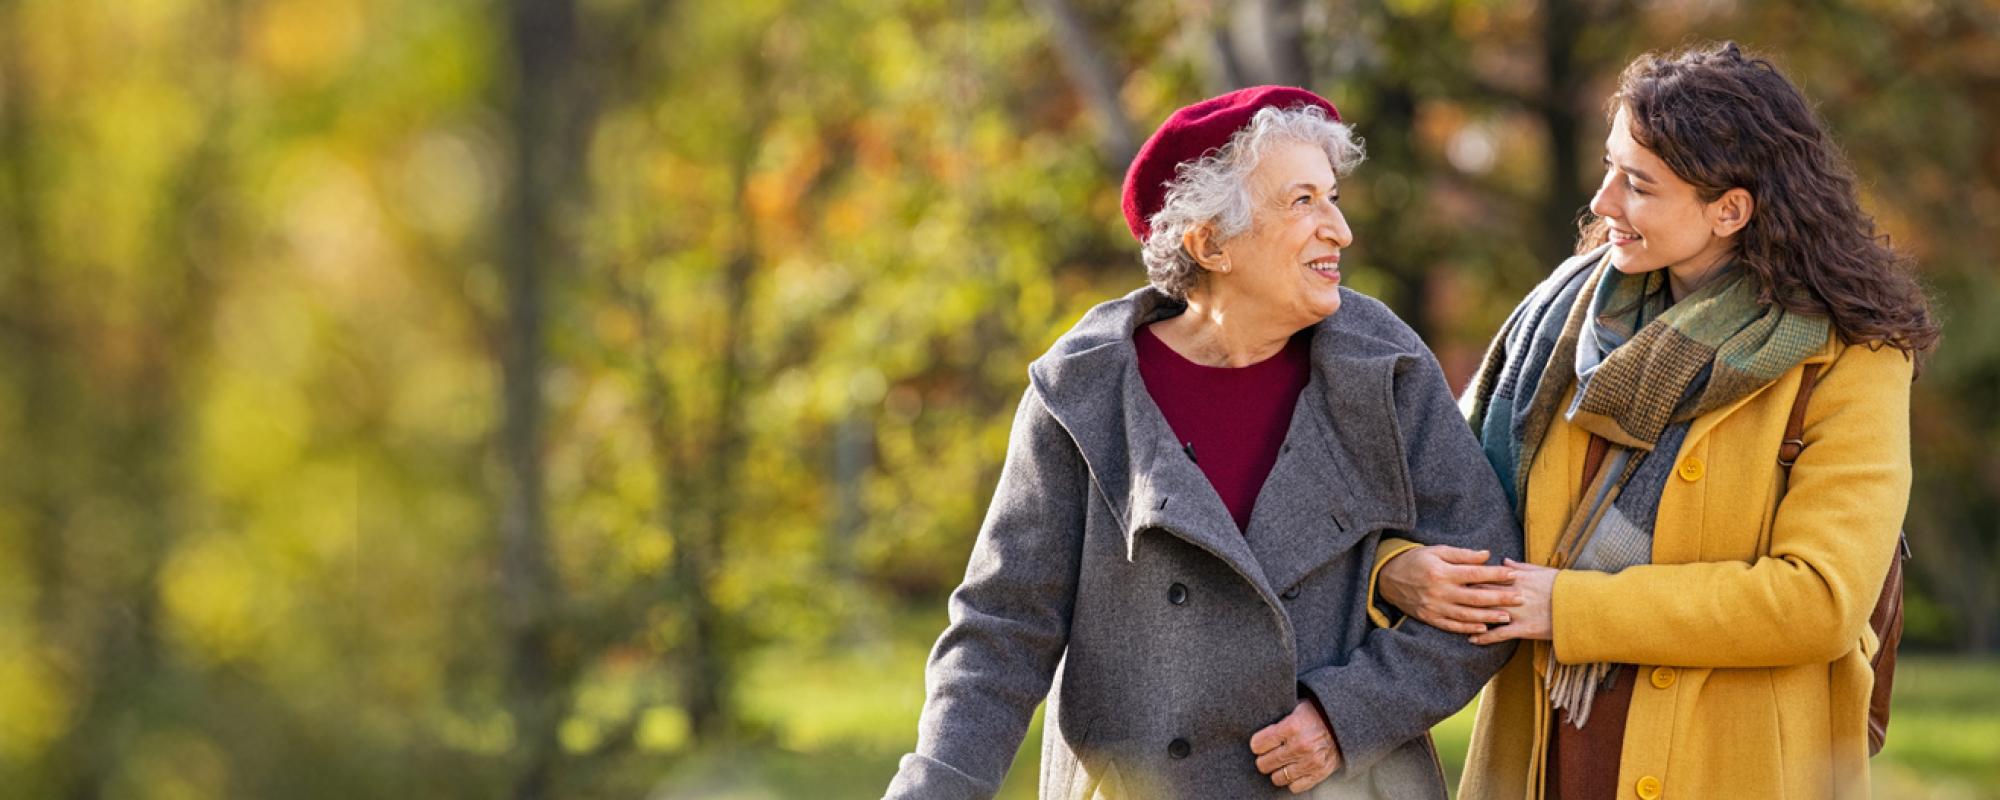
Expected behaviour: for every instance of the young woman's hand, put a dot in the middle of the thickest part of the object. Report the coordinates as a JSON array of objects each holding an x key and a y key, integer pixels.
[
  {"x": 1533, "y": 617},
  {"x": 1449, "y": 588}
]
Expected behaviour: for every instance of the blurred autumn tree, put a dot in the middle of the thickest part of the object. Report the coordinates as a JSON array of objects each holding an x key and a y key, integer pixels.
[{"x": 472, "y": 399}]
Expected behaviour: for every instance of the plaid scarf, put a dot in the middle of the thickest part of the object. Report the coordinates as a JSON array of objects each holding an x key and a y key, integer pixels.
[{"x": 1644, "y": 369}]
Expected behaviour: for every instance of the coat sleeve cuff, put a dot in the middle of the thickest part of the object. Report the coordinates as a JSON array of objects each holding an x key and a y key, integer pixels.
[
  {"x": 1571, "y": 598},
  {"x": 1379, "y": 611},
  {"x": 1355, "y": 732},
  {"x": 921, "y": 777}
]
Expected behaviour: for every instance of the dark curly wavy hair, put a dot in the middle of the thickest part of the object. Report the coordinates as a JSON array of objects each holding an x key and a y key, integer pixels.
[{"x": 1722, "y": 119}]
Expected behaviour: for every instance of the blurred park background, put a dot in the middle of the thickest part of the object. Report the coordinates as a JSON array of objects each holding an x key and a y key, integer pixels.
[{"x": 598, "y": 398}]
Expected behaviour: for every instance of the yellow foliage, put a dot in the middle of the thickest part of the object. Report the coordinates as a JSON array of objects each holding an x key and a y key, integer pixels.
[
  {"x": 647, "y": 551},
  {"x": 490, "y": 735},
  {"x": 173, "y": 765},
  {"x": 253, "y": 429},
  {"x": 306, "y": 41},
  {"x": 579, "y": 735},
  {"x": 662, "y": 729},
  {"x": 220, "y": 601},
  {"x": 34, "y": 701}
]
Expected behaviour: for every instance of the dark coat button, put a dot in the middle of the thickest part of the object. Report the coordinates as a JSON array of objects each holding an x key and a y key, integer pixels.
[
  {"x": 1291, "y": 594},
  {"x": 1177, "y": 594},
  {"x": 1178, "y": 748}
]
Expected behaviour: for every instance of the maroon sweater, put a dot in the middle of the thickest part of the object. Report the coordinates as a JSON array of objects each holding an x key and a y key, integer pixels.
[{"x": 1233, "y": 419}]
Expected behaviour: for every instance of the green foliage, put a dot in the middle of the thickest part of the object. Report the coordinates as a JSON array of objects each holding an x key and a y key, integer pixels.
[{"x": 1945, "y": 730}]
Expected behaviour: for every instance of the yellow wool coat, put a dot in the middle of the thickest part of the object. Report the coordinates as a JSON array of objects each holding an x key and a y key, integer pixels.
[{"x": 1751, "y": 625}]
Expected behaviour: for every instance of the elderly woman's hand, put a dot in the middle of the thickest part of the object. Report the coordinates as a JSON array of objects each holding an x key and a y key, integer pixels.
[
  {"x": 1298, "y": 751},
  {"x": 1534, "y": 617},
  {"x": 1449, "y": 588}
]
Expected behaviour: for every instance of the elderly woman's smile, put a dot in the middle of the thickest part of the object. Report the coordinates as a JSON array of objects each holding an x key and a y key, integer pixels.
[
  {"x": 1328, "y": 267},
  {"x": 1288, "y": 264},
  {"x": 1279, "y": 274}
]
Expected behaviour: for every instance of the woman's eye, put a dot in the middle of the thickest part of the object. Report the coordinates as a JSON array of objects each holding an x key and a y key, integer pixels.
[
  {"x": 1334, "y": 199},
  {"x": 1302, "y": 200}
]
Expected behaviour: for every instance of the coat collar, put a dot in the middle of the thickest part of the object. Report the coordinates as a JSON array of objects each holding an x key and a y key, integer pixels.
[{"x": 1340, "y": 474}]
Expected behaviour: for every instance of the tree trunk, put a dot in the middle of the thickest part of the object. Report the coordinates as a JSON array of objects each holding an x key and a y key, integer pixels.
[
  {"x": 33, "y": 337},
  {"x": 34, "y": 341},
  {"x": 1221, "y": 71},
  {"x": 710, "y": 689},
  {"x": 1562, "y": 23},
  {"x": 122, "y": 449},
  {"x": 1083, "y": 59},
  {"x": 543, "y": 40},
  {"x": 852, "y": 437},
  {"x": 1271, "y": 42},
  {"x": 1396, "y": 110}
]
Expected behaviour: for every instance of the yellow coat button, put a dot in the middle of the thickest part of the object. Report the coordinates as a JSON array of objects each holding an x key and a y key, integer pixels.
[
  {"x": 1691, "y": 469},
  {"x": 1663, "y": 677},
  {"x": 1649, "y": 788}
]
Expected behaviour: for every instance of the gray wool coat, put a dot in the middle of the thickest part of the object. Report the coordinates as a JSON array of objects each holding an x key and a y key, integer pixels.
[{"x": 1109, "y": 568}]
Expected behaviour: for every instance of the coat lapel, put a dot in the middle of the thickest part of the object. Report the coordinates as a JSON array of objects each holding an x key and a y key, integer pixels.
[
  {"x": 1169, "y": 492},
  {"x": 1341, "y": 473},
  {"x": 1090, "y": 382},
  {"x": 1330, "y": 485}
]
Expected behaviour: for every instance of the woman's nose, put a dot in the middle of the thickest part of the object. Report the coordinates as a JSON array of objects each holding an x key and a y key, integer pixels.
[
  {"x": 1602, "y": 203},
  {"x": 1333, "y": 227}
]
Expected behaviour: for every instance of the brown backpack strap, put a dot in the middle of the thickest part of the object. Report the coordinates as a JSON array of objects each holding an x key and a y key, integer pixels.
[
  {"x": 1795, "y": 428},
  {"x": 1887, "y": 618},
  {"x": 1593, "y": 460},
  {"x": 1887, "y": 622}
]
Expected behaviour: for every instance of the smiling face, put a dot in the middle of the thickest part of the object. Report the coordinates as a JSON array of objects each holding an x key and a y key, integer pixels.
[
  {"x": 1287, "y": 265},
  {"x": 1657, "y": 220}
]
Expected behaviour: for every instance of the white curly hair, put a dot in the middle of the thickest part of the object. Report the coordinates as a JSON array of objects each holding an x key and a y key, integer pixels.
[{"x": 1215, "y": 189}]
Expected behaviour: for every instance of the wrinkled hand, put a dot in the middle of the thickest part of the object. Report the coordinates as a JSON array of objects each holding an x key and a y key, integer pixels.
[
  {"x": 1298, "y": 751},
  {"x": 1449, "y": 588},
  {"x": 1534, "y": 617}
]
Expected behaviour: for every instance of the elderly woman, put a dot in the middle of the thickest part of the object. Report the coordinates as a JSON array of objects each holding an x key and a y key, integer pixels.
[{"x": 1194, "y": 490}]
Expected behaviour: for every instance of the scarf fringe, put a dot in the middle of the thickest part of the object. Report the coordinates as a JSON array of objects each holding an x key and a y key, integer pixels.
[{"x": 1573, "y": 687}]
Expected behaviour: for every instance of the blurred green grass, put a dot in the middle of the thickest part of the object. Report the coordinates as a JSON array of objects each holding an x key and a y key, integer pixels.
[{"x": 834, "y": 724}]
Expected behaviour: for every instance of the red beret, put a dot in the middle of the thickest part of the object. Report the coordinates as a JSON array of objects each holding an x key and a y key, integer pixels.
[{"x": 1189, "y": 134}]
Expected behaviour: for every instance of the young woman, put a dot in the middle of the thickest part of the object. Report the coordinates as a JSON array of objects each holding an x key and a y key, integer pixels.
[{"x": 1698, "y": 617}]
